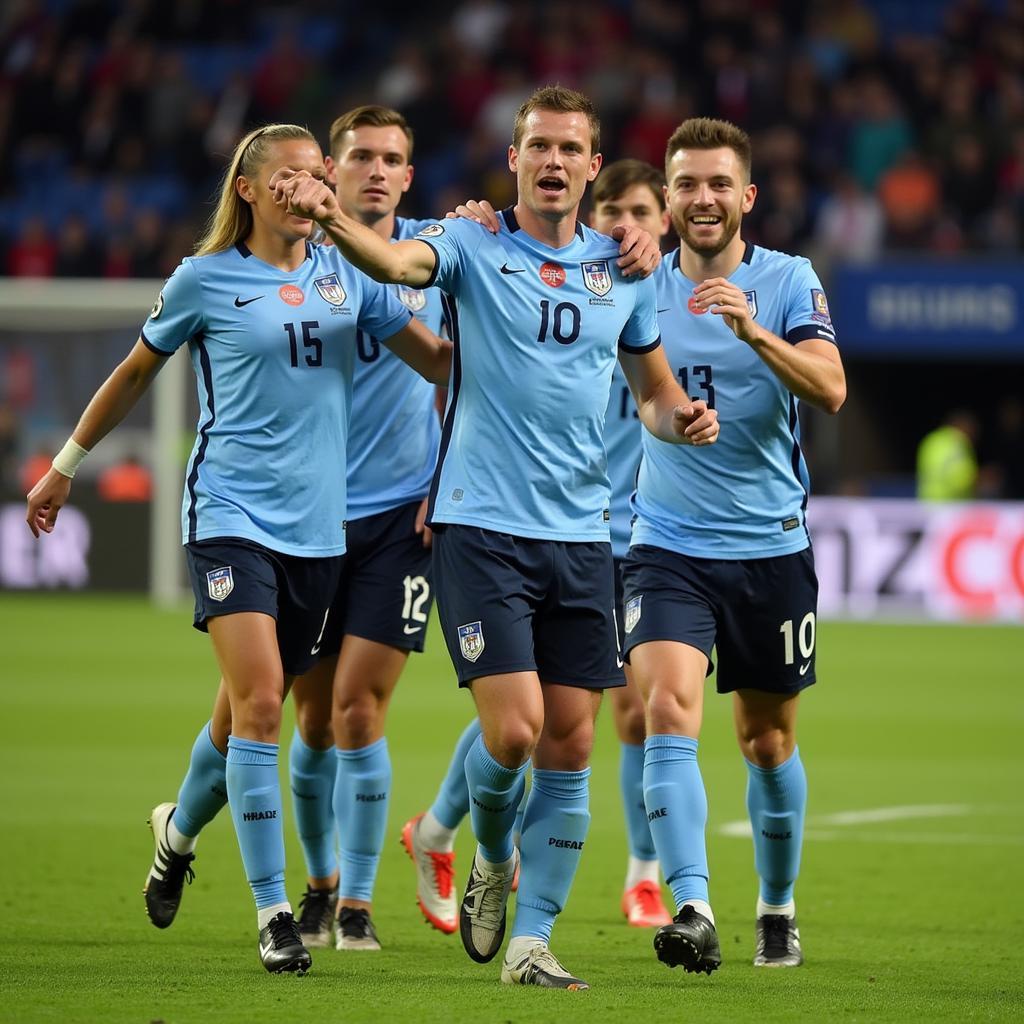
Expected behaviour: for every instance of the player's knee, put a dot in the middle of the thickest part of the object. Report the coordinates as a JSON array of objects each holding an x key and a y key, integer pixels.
[
  {"x": 314, "y": 728},
  {"x": 258, "y": 716},
  {"x": 767, "y": 748},
  {"x": 511, "y": 742},
  {"x": 357, "y": 720},
  {"x": 670, "y": 712},
  {"x": 631, "y": 724}
]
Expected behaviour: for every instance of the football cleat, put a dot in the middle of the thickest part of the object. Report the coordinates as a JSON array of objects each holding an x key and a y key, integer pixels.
[
  {"x": 316, "y": 916},
  {"x": 643, "y": 906},
  {"x": 538, "y": 966},
  {"x": 435, "y": 879},
  {"x": 778, "y": 942},
  {"x": 689, "y": 941},
  {"x": 169, "y": 873},
  {"x": 356, "y": 931},
  {"x": 482, "y": 914},
  {"x": 281, "y": 947}
]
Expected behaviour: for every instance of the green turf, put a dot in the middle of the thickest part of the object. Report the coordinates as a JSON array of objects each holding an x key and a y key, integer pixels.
[{"x": 910, "y": 919}]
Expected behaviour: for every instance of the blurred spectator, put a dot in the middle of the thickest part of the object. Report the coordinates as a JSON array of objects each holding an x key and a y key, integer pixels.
[
  {"x": 34, "y": 469},
  {"x": 1004, "y": 451},
  {"x": 850, "y": 224},
  {"x": 9, "y": 440},
  {"x": 34, "y": 253},
  {"x": 125, "y": 481},
  {"x": 910, "y": 196},
  {"x": 947, "y": 468},
  {"x": 880, "y": 136},
  {"x": 147, "y": 244},
  {"x": 77, "y": 256}
]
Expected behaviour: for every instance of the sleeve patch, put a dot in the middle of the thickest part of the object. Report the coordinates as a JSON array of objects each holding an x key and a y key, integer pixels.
[
  {"x": 431, "y": 231},
  {"x": 820, "y": 306},
  {"x": 158, "y": 307}
]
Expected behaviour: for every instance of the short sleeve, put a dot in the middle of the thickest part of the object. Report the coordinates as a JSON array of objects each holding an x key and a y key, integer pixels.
[
  {"x": 381, "y": 314},
  {"x": 806, "y": 314},
  {"x": 455, "y": 243},
  {"x": 177, "y": 314},
  {"x": 641, "y": 332}
]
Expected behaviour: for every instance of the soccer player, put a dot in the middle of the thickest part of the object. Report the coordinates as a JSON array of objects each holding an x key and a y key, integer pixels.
[
  {"x": 379, "y": 611},
  {"x": 628, "y": 192},
  {"x": 270, "y": 321},
  {"x": 720, "y": 552},
  {"x": 522, "y": 561}
]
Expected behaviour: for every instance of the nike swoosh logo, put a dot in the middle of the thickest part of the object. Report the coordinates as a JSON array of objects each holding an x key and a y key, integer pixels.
[
  {"x": 506, "y": 269},
  {"x": 239, "y": 303},
  {"x": 669, "y": 310},
  {"x": 804, "y": 668},
  {"x": 410, "y": 630}
]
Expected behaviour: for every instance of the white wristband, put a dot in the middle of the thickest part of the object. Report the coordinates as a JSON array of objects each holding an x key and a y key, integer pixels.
[{"x": 69, "y": 458}]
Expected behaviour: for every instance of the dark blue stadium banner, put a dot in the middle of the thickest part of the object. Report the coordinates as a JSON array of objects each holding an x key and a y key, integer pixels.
[{"x": 930, "y": 310}]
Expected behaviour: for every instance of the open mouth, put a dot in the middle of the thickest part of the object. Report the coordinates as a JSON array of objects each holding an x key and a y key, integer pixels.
[
  {"x": 552, "y": 186},
  {"x": 705, "y": 220}
]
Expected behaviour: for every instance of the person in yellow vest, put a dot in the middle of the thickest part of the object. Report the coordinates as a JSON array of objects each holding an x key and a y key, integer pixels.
[{"x": 947, "y": 467}]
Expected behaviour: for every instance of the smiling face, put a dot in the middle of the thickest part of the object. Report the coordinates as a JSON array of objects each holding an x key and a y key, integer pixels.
[
  {"x": 638, "y": 206},
  {"x": 707, "y": 195},
  {"x": 371, "y": 171},
  {"x": 269, "y": 219},
  {"x": 553, "y": 162}
]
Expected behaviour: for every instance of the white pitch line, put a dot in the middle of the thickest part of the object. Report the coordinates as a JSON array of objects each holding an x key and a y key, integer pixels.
[{"x": 741, "y": 829}]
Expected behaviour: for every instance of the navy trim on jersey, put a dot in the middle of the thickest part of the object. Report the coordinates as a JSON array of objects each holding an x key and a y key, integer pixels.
[
  {"x": 437, "y": 264},
  {"x": 807, "y": 331},
  {"x": 794, "y": 426},
  {"x": 748, "y": 252},
  {"x": 579, "y": 231},
  {"x": 451, "y": 314},
  {"x": 244, "y": 251},
  {"x": 510, "y": 219},
  {"x": 639, "y": 351},
  {"x": 152, "y": 348},
  {"x": 204, "y": 434}
]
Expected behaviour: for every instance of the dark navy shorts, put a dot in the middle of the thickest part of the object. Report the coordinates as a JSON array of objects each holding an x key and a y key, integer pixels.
[
  {"x": 385, "y": 590},
  {"x": 760, "y": 614},
  {"x": 231, "y": 575},
  {"x": 512, "y": 604},
  {"x": 620, "y": 636}
]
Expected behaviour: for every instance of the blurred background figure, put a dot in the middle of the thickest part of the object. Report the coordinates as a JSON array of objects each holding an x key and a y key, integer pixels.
[{"x": 947, "y": 467}]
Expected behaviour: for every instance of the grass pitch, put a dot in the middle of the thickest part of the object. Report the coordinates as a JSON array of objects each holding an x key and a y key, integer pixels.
[{"x": 911, "y": 899}]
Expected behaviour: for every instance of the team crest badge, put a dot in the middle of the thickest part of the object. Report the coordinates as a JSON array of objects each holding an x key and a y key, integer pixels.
[
  {"x": 597, "y": 277},
  {"x": 158, "y": 307},
  {"x": 751, "y": 298},
  {"x": 471, "y": 640},
  {"x": 431, "y": 231},
  {"x": 330, "y": 289},
  {"x": 633, "y": 613},
  {"x": 412, "y": 298},
  {"x": 220, "y": 583},
  {"x": 820, "y": 304}
]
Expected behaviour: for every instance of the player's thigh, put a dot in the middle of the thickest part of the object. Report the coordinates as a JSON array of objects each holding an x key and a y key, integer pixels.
[
  {"x": 767, "y": 635},
  {"x": 488, "y": 585},
  {"x": 574, "y": 629},
  {"x": 387, "y": 590}
]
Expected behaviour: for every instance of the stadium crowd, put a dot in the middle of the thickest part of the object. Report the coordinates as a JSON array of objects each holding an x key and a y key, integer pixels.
[{"x": 878, "y": 126}]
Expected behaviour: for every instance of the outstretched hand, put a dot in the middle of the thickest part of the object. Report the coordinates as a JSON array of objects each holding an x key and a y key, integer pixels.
[
  {"x": 695, "y": 423},
  {"x": 302, "y": 195}
]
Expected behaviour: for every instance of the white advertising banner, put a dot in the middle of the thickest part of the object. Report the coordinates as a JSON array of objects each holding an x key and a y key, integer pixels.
[{"x": 904, "y": 559}]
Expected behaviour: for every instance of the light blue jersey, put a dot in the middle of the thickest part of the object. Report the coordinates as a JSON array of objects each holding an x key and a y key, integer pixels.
[
  {"x": 622, "y": 440},
  {"x": 395, "y": 431},
  {"x": 745, "y": 495},
  {"x": 273, "y": 353},
  {"x": 536, "y": 334}
]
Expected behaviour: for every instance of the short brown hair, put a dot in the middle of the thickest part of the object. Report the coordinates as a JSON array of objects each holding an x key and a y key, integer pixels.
[
  {"x": 562, "y": 101},
  {"x": 709, "y": 133},
  {"x": 372, "y": 116},
  {"x": 618, "y": 178}
]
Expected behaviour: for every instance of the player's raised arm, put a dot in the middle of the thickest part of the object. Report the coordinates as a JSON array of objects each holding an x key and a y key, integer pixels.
[
  {"x": 113, "y": 401},
  {"x": 665, "y": 409},
  {"x": 429, "y": 355},
  {"x": 410, "y": 262}
]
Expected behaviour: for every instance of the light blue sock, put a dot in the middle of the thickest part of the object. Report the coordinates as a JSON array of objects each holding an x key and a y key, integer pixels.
[
  {"x": 362, "y": 790},
  {"x": 554, "y": 828},
  {"x": 254, "y": 795},
  {"x": 312, "y": 773},
  {"x": 777, "y": 800},
  {"x": 494, "y": 793},
  {"x": 677, "y": 809},
  {"x": 204, "y": 790},
  {"x": 631, "y": 782},
  {"x": 451, "y": 804},
  {"x": 517, "y": 827}
]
